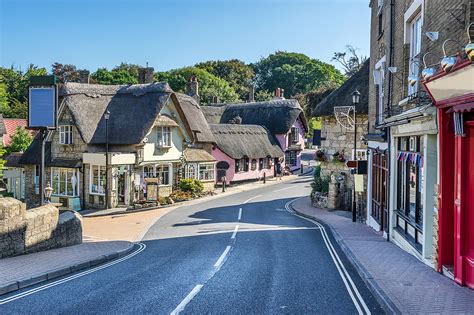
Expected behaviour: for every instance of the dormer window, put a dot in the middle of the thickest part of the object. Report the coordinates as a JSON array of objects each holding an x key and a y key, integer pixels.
[
  {"x": 163, "y": 136},
  {"x": 65, "y": 134}
]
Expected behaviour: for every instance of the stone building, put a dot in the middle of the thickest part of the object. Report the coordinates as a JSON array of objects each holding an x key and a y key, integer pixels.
[
  {"x": 403, "y": 128},
  {"x": 150, "y": 129},
  {"x": 337, "y": 142}
]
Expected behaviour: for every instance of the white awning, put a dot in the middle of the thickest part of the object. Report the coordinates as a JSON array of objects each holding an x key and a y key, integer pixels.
[{"x": 116, "y": 158}]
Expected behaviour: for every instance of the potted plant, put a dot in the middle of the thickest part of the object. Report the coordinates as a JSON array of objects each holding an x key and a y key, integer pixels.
[
  {"x": 339, "y": 156},
  {"x": 320, "y": 155}
]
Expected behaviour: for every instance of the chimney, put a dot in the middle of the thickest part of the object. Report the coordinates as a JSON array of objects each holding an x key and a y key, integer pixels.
[
  {"x": 84, "y": 76},
  {"x": 282, "y": 93},
  {"x": 251, "y": 93},
  {"x": 277, "y": 93},
  {"x": 214, "y": 99},
  {"x": 192, "y": 88},
  {"x": 145, "y": 75}
]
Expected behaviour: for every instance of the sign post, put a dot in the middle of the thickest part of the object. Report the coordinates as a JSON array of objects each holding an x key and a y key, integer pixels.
[{"x": 42, "y": 115}]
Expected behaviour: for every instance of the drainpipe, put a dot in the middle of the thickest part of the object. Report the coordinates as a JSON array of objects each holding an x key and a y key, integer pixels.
[{"x": 389, "y": 108}]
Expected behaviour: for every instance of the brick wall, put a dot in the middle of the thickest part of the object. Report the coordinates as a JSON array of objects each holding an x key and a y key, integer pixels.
[{"x": 26, "y": 231}]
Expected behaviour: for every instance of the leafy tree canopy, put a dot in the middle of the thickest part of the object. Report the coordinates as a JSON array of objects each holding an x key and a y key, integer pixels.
[
  {"x": 20, "y": 140},
  {"x": 209, "y": 84},
  {"x": 263, "y": 95},
  {"x": 237, "y": 74},
  {"x": 15, "y": 90},
  {"x": 123, "y": 74},
  {"x": 349, "y": 60},
  {"x": 295, "y": 73}
]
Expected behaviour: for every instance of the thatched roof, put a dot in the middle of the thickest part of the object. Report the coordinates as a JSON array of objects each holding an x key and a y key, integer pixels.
[
  {"x": 197, "y": 155},
  {"x": 277, "y": 115},
  {"x": 195, "y": 118},
  {"x": 342, "y": 96},
  {"x": 239, "y": 141},
  {"x": 165, "y": 121},
  {"x": 133, "y": 110}
]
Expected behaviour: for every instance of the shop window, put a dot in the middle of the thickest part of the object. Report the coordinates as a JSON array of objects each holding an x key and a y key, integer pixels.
[
  {"x": 191, "y": 171},
  {"x": 163, "y": 173},
  {"x": 65, "y": 134},
  {"x": 290, "y": 158},
  {"x": 163, "y": 136},
  {"x": 64, "y": 182},
  {"x": 253, "y": 166},
  {"x": 97, "y": 179},
  {"x": 148, "y": 172},
  {"x": 410, "y": 188},
  {"x": 206, "y": 172}
]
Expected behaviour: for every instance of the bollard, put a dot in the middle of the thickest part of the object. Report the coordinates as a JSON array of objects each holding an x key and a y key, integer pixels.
[
  {"x": 301, "y": 168},
  {"x": 223, "y": 183},
  {"x": 264, "y": 178}
]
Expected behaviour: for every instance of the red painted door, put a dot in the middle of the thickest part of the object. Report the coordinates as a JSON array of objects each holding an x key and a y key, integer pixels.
[{"x": 467, "y": 206}]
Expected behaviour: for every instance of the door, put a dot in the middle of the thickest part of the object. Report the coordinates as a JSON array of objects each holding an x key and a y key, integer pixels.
[
  {"x": 380, "y": 189},
  {"x": 121, "y": 188}
]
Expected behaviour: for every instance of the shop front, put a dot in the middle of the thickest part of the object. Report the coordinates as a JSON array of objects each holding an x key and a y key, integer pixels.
[{"x": 453, "y": 95}]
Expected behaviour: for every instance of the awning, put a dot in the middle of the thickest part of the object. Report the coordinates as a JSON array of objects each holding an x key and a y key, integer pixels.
[
  {"x": 462, "y": 108},
  {"x": 67, "y": 163}
]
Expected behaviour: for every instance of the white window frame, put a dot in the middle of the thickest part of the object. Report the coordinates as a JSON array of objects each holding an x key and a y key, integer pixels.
[
  {"x": 65, "y": 171},
  {"x": 65, "y": 134},
  {"x": 191, "y": 170},
  {"x": 163, "y": 137},
  {"x": 361, "y": 154},
  {"x": 412, "y": 15},
  {"x": 379, "y": 79},
  {"x": 158, "y": 171},
  {"x": 209, "y": 169},
  {"x": 99, "y": 183}
]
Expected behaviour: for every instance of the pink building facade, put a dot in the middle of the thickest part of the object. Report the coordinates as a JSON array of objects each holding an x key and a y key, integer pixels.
[{"x": 292, "y": 143}]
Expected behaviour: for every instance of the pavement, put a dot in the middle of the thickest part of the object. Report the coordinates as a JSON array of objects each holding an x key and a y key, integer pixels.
[
  {"x": 401, "y": 283},
  {"x": 241, "y": 253}
]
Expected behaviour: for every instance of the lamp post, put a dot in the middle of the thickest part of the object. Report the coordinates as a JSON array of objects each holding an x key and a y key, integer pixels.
[
  {"x": 48, "y": 191},
  {"x": 355, "y": 101},
  {"x": 106, "y": 118}
]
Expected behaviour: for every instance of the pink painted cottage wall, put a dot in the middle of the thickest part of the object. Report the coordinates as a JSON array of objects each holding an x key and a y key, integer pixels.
[
  {"x": 232, "y": 176},
  {"x": 283, "y": 141}
]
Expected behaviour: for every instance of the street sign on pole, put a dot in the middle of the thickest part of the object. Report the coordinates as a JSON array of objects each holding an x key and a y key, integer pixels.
[{"x": 351, "y": 164}]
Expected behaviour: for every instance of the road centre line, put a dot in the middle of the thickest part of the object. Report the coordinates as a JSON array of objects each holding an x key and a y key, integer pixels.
[
  {"x": 187, "y": 299},
  {"x": 75, "y": 276},
  {"x": 284, "y": 188},
  {"x": 250, "y": 199},
  {"x": 240, "y": 214},
  {"x": 235, "y": 231},
  {"x": 346, "y": 278},
  {"x": 222, "y": 257}
]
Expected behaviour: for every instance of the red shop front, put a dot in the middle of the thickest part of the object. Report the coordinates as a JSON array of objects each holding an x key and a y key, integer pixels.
[{"x": 453, "y": 95}]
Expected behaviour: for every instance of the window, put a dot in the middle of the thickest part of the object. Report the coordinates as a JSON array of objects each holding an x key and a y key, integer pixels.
[
  {"x": 148, "y": 171},
  {"x": 191, "y": 171},
  {"x": 206, "y": 171},
  {"x": 379, "y": 79},
  {"x": 415, "y": 50},
  {"x": 36, "y": 176},
  {"x": 246, "y": 164},
  {"x": 65, "y": 134},
  {"x": 242, "y": 165},
  {"x": 253, "y": 166},
  {"x": 410, "y": 188},
  {"x": 269, "y": 163},
  {"x": 361, "y": 154},
  {"x": 294, "y": 134},
  {"x": 163, "y": 136},
  {"x": 97, "y": 179},
  {"x": 380, "y": 17},
  {"x": 163, "y": 173},
  {"x": 64, "y": 182},
  {"x": 263, "y": 163},
  {"x": 290, "y": 158}
]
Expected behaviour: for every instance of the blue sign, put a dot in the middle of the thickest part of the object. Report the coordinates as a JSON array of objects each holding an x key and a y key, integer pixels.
[{"x": 42, "y": 107}]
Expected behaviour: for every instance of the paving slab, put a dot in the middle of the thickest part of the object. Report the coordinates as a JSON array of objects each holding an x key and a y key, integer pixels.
[
  {"x": 402, "y": 283},
  {"x": 27, "y": 270}
]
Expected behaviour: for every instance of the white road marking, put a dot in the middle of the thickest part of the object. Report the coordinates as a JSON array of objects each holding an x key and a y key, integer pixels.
[
  {"x": 75, "y": 276},
  {"x": 221, "y": 259},
  {"x": 346, "y": 278},
  {"x": 284, "y": 188},
  {"x": 235, "y": 231},
  {"x": 280, "y": 210},
  {"x": 240, "y": 214},
  {"x": 187, "y": 299},
  {"x": 250, "y": 199}
]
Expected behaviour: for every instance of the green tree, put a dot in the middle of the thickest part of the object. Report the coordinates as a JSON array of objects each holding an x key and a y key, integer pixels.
[
  {"x": 16, "y": 87},
  {"x": 114, "y": 76},
  {"x": 20, "y": 140},
  {"x": 209, "y": 85},
  {"x": 2, "y": 160},
  {"x": 235, "y": 72},
  {"x": 295, "y": 73},
  {"x": 263, "y": 95}
]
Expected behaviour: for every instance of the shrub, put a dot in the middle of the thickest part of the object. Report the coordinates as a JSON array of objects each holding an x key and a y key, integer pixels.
[
  {"x": 179, "y": 195},
  {"x": 319, "y": 183},
  {"x": 191, "y": 185}
]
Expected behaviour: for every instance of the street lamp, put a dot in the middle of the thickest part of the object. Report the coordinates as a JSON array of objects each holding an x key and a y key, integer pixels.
[
  {"x": 106, "y": 118},
  {"x": 48, "y": 191},
  {"x": 355, "y": 101}
]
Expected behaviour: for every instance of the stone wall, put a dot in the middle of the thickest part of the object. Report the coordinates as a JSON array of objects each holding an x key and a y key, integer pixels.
[
  {"x": 336, "y": 138},
  {"x": 67, "y": 151},
  {"x": 26, "y": 231}
]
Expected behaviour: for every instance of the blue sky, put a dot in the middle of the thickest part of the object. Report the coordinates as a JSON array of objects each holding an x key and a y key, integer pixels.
[{"x": 171, "y": 34}]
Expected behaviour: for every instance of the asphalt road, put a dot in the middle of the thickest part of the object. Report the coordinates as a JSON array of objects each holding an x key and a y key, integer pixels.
[{"x": 215, "y": 258}]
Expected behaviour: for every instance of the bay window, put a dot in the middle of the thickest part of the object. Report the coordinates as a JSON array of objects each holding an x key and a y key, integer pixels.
[
  {"x": 191, "y": 171},
  {"x": 163, "y": 173},
  {"x": 206, "y": 171},
  {"x": 97, "y": 180},
  {"x": 65, "y": 134},
  {"x": 163, "y": 136},
  {"x": 64, "y": 181}
]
